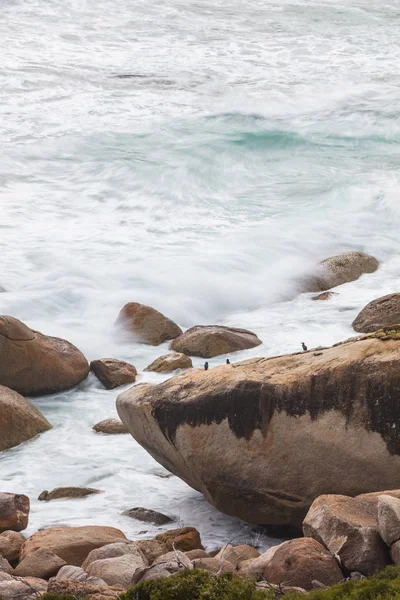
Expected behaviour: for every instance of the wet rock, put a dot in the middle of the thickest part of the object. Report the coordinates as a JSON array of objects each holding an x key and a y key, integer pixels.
[
  {"x": 340, "y": 269},
  {"x": 264, "y": 410},
  {"x": 378, "y": 314},
  {"x": 14, "y": 512},
  {"x": 113, "y": 373},
  {"x": 348, "y": 527},
  {"x": 42, "y": 564},
  {"x": 325, "y": 296},
  {"x": 147, "y": 324},
  {"x": 10, "y": 545},
  {"x": 110, "y": 426},
  {"x": 213, "y": 340},
  {"x": 34, "y": 364},
  {"x": 20, "y": 419},
  {"x": 72, "y": 544},
  {"x": 92, "y": 591},
  {"x": 389, "y": 519},
  {"x": 67, "y": 492},
  {"x": 298, "y": 562},
  {"x": 147, "y": 515},
  {"x": 185, "y": 539},
  {"x": 170, "y": 362},
  {"x": 13, "y": 588}
]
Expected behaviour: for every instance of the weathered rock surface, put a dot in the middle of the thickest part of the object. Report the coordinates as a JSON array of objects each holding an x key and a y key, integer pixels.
[
  {"x": 152, "y": 549},
  {"x": 340, "y": 269},
  {"x": 14, "y": 511},
  {"x": 72, "y": 544},
  {"x": 293, "y": 424},
  {"x": 193, "y": 554},
  {"x": 5, "y": 566},
  {"x": 92, "y": 591},
  {"x": 389, "y": 519},
  {"x": 212, "y": 340},
  {"x": 113, "y": 373},
  {"x": 72, "y": 573},
  {"x": 20, "y": 420},
  {"x": 42, "y": 564},
  {"x": 114, "y": 550},
  {"x": 10, "y": 545},
  {"x": 237, "y": 554},
  {"x": 185, "y": 539},
  {"x": 170, "y": 362},
  {"x": 147, "y": 515},
  {"x": 147, "y": 324},
  {"x": 214, "y": 565},
  {"x": 164, "y": 566},
  {"x": 15, "y": 588},
  {"x": 110, "y": 427},
  {"x": 67, "y": 492},
  {"x": 32, "y": 363},
  {"x": 118, "y": 570},
  {"x": 395, "y": 553},
  {"x": 380, "y": 313},
  {"x": 297, "y": 563},
  {"x": 348, "y": 527}
]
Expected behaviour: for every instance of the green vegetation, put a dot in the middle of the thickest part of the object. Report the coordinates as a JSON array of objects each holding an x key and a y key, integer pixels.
[{"x": 201, "y": 585}]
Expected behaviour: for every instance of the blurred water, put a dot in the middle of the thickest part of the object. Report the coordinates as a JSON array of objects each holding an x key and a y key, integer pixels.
[{"x": 255, "y": 139}]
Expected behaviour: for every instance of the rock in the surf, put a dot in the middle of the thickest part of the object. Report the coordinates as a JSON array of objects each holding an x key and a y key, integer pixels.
[
  {"x": 340, "y": 269},
  {"x": 147, "y": 515},
  {"x": 14, "y": 512},
  {"x": 293, "y": 424},
  {"x": 298, "y": 562},
  {"x": 348, "y": 527},
  {"x": 67, "y": 492},
  {"x": 72, "y": 544},
  {"x": 110, "y": 427},
  {"x": 380, "y": 313},
  {"x": 113, "y": 373},
  {"x": 146, "y": 324},
  {"x": 32, "y": 363},
  {"x": 170, "y": 362},
  {"x": 213, "y": 340},
  {"x": 325, "y": 296},
  {"x": 20, "y": 419}
]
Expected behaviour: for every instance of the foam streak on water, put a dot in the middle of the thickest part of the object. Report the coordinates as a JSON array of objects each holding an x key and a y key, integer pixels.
[{"x": 257, "y": 138}]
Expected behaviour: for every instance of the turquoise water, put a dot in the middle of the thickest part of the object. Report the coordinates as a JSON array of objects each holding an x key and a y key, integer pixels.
[{"x": 255, "y": 139}]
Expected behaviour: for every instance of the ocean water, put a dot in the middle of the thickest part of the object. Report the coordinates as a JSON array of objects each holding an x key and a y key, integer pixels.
[{"x": 198, "y": 157}]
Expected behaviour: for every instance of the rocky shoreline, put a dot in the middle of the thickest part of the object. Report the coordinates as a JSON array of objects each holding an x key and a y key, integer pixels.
[{"x": 308, "y": 440}]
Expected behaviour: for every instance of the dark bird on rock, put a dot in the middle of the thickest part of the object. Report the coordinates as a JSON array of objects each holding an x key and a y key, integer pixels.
[
  {"x": 304, "y": 346},
  {"x": 206, "y": 366},
  {"x": 228, "y": 362}
]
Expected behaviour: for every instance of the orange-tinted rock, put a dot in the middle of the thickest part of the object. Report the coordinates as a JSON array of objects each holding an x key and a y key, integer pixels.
[
  {"x": 187, "y": 538},
  {"x": 380, "y": 313},
  {"x": 325, "y": 296},
  {"x": 20, "y": 420},
  {"x": 42, "y": 564},
  {"x": 113, "y": 373},
  {"x": 10, "y": 545},
  {"x": 147, "y": 324},
  {"x": 32, "y": 363},
  {"x": 170, "y": 362},
  {"x": 212, "y": 340},
  {"x": 110, "y": 427}
]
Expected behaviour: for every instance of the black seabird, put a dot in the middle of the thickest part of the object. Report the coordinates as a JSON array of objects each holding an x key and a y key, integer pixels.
[
  {"x": 228, "y": 362},
  {"x": 206, "y": 366},
  {"x": 304, "y": 346}
]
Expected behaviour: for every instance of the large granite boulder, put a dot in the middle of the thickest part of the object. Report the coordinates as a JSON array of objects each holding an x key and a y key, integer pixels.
[
  {"x": 113, "y": 373},
  {"x": 33, "y": 364},
  {"x": 146, "y": 324},
  {"x": 14, "y": 512},
  {"x": 208, "y": 341},
  {"x": 295, "y": 426},
  {"x": 20, "y": 420},
  {"x": 340, "y": 269},
  {"x": 380, "y": 313}
]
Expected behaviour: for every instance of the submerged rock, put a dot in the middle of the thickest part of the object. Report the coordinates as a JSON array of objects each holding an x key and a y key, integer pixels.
[
  {"x": 20, "y": 419},
  {"x": 113, "y": 373},
  {"x": 340, "y": 269},
  {"x": 147, "y": 515},
  {"x": 378, "y": 314},
  {"x": 294, "y": 425},
  {"x": 67, "y": 492},
  {"x": 212, "y": 340},
  {"x": 170, "y": 362},
  {"x": 146, "y": 324},
  {"x": 32, "y": 363}
]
